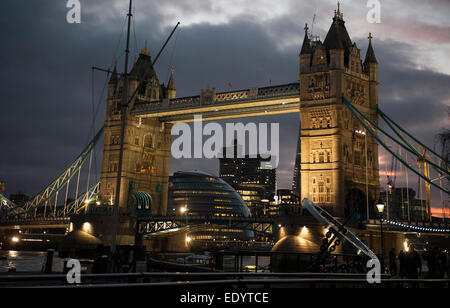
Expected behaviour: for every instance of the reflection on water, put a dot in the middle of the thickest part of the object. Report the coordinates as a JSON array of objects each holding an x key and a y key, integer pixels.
[
  {"x": 33, "y": 261},
  {"x": 247, "y": 261},
  {"x": 27, "y": 261}
]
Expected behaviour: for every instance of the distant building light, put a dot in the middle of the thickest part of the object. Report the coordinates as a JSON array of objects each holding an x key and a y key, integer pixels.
[{"x": 87, "y": 227}]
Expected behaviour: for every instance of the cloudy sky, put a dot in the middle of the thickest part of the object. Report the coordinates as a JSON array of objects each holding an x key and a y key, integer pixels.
[{"x": 49, "y": 99}]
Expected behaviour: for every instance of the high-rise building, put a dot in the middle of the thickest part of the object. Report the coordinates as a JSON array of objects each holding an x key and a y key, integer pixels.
[
  {"x": 296, "y": 182},
  {"x": 245, "y": 174},
  {"x": 244, "y": 171}
]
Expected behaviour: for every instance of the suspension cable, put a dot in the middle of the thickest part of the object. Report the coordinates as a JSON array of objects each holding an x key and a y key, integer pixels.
[
  {"x": 386, "y": 118},
  {"x": 351, "y": 108},
  {"x": 348, "y": 104}
]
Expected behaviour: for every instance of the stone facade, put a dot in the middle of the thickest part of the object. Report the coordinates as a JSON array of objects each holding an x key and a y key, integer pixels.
[
  {"x": 147, "y": 142},
  {"x": 335, "y": 151}
]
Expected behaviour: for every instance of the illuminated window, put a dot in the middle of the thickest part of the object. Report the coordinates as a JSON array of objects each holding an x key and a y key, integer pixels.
[{"x": 115, "y": 139}]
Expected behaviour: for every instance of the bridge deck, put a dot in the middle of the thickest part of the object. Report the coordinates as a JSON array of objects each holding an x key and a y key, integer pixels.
[{"x": 213, "y": 106}]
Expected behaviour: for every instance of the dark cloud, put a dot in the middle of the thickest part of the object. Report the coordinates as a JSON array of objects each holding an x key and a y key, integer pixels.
[{"x": 46, "y": 109}]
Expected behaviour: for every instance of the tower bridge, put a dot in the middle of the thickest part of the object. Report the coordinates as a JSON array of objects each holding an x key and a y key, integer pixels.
[
  {"x": 336, "y": 97},
  {"x": 333, "y": 167}
]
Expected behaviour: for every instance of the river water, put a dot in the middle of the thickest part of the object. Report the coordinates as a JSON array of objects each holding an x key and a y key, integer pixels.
[
  {"x": 33, "y": 261},
  {"x": 27, "y": 261}
]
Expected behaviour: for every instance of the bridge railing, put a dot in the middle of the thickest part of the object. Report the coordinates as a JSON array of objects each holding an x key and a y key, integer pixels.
[
  {"x": 206, "y": 218},
  {"x": 220, "y": 98}
]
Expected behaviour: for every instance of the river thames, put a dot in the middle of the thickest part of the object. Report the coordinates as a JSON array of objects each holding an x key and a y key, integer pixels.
[{"x": 26, "y": 261}]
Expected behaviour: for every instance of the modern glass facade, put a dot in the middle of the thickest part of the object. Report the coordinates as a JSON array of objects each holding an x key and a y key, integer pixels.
[
  {"x": 242, "y": 170},
  {"x": 202, "y": 194}
]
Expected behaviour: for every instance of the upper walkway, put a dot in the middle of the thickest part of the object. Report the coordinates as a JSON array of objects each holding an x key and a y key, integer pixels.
[{"x": 214, "y": 106}]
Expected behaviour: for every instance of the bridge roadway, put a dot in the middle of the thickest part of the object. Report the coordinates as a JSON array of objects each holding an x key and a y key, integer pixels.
[
  {"x": 32, "y": 223},
  {"x": 233, "y": 104},
  {"x": 160, "y": 225},
  {"x": 154, "y": 224}
]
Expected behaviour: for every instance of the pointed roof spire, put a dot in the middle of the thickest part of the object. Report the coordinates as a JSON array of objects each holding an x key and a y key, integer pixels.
[
  {"x": 337, "y": 37},
  {"x": 145, "y": 50},
  {"x": 171, "y": 84},
  {"x": 338, "y": 14},
  {"x": 306, "y": 46},
  {"x": 370, "y": 54},
  {"x": 114, "y": 78}
]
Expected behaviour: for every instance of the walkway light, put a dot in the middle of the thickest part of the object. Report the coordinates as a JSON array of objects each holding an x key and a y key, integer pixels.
[{"x": 380, "y": 207}]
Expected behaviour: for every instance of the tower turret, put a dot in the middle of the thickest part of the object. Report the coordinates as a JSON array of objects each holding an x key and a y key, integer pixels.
[
  {"x": 171, "y": 90},
  {"x": 370, "y": 62},
  {"x": 305, "y": 53},
  {"x": 112, "y": 84},
  {"x": 371, "y": 68}
]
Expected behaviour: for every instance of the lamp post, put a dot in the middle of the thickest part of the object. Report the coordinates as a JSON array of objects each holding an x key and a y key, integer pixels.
[
  {"x": 184, "y": 211},
  {"x": 380, "y": 207}
]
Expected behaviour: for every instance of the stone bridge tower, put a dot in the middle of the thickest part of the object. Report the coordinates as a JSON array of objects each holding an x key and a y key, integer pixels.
[
  {"x": 339, "y": 162},
  {"x": 147, "y": 142}
]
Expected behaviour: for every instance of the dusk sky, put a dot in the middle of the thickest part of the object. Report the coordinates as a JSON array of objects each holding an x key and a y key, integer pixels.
[{"x": 47, "y": 106}]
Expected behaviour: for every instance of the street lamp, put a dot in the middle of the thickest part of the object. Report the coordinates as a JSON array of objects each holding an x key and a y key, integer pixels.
[
  {"x": 380, "y": 207},
  {"x": 183, "y": 211}
]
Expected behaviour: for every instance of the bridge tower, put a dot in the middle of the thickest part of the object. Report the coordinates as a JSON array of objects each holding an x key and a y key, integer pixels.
[
  {"x": 339, "y": 161},
  {"x": 146, "y": 155}
]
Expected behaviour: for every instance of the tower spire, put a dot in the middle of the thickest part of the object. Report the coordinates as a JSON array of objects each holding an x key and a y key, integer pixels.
[
  {"x": 337, "y": 13},
  {"x": 370, "y": 54},
  {"x": 145, "y": 50},
  {"x": 171, "y": 90},
  {"x": 114, "y": 78},
  {"x": 306, "y": 46}
]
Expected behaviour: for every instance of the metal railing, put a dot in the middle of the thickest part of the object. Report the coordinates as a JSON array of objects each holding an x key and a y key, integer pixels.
[{"x": 232, "y": 279}]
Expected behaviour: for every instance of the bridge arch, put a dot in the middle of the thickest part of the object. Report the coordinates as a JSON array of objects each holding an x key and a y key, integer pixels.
[{"x": 142, "y": 201}]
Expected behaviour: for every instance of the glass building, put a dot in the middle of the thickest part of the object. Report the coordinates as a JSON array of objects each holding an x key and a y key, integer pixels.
[{"x": 201, "y": 194}]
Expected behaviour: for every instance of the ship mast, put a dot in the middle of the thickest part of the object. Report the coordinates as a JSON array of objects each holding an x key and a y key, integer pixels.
[{"x": 123, "y": 116}]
